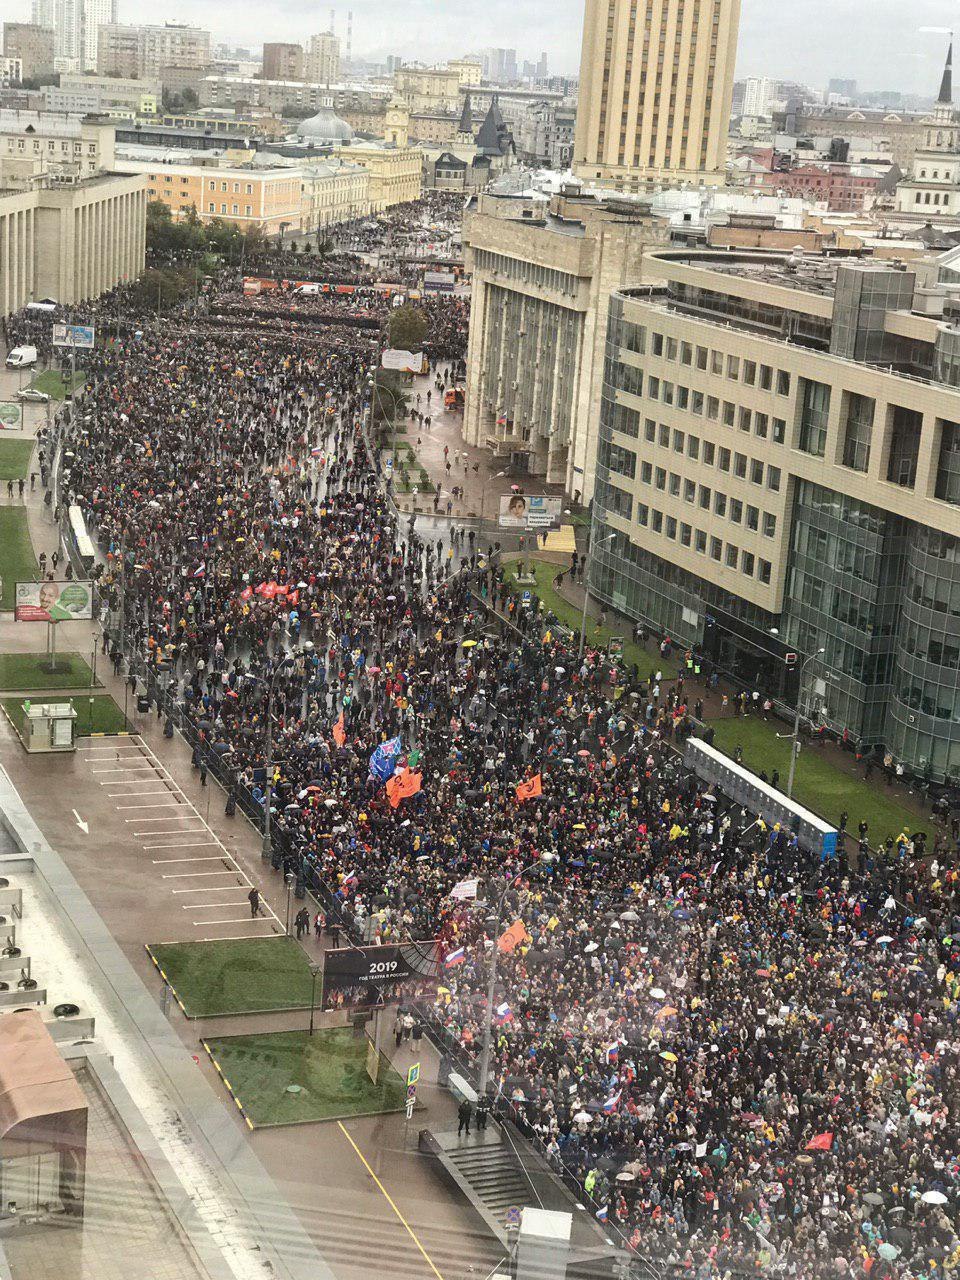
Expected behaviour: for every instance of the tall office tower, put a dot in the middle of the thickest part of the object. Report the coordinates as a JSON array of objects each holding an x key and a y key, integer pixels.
[
  {"x": 321, "y": 65},
  {"x": 76, "y": 25},
  {"x": 656, "y": 81}
]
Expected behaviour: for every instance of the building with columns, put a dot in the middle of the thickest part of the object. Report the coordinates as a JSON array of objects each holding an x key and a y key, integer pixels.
[{"x": 71, "y": 242}]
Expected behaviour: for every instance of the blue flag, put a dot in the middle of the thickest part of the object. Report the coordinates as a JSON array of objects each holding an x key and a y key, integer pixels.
[{"x": 383, "y": 762}]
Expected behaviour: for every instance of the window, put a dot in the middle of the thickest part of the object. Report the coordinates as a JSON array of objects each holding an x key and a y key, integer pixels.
[
  {"x": 686, "y": 353},
  {"x": 653, "y": 388},
  {"x": 736, "y": 510},
  {"x": 716, "y": 548},
  {"x": 223, "y": 208},
  {"x": 249, "y": 190},
  {"x": 660, "y": 478},
  {"x": 223, "y": 186},
  {"x": 744, "y": 419},
  {"x": 720, "y": 504},
  {"x": 247, "y": 210},
  {"x": 643, "y": 514},
  {"x": 769, "y": 524},
  {"x": 709, "y": 453},
  {"x": 236, "y": 188},
  {"x": 685, "y": 532},
  {"x": 713, "y": 408},
  {"x": 663, "y": 435},
  {"x": 766, "y": 377},
  {"x": 783, "y": 382},
  {"x": 740, "y": 466},
  {"x": 753, "y": 518},
  {"x": 700, "y": 541},
  {"x": 668, "y": 393},
  {"x": 236, "y": 208},
  {"x": 760, "y": 424},
  {"x": 674, "y": 485},
  {"x": 702, "y": 355},
  {"x": 747, "y": 563},
  {"x": 213, "y": 207},
  {"x": 773, "y": 478},
  {"x": 649, "y": 430},
  {"x": 693, "y": 447},
  {"x": 733, "y": 554},
  {"x": 657, "y": 523},
  {"x": 696, "y": 402},
  {"x": 779, "y": 431},
  {"x": 764, "y": 574},
  {"x": 671, "y": 528},
  {"x": 716, "y": 363},
  {"x": 213, "y": 186},
  {"x": 750, "y": 372},
  {"x": 814, "y": 415},
  {"x": 733, "y": 368},
  {"x": 729, "y": 413},
  {"x": 671, "y": 348},
  {"x": 689, "y": 491},
  {"x": 756, "y": 471},
  {"x": 678, "y": 442},
  {"x": 705, "y": 497},
  {"x": 683, "y": 397},
  {"x": 724, "y": 460},
  {"x": 657, "y": 340}
]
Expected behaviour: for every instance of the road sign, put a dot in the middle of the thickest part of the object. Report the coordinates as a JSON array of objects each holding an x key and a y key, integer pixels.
[
  {"x": 513, "y": 1216},
  {"x": 411, "y": 1103},
  {"x": 413, "y": 1074}
]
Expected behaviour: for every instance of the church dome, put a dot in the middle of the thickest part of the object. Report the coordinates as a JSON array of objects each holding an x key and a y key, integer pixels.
[{"x": 325, "y": 126}]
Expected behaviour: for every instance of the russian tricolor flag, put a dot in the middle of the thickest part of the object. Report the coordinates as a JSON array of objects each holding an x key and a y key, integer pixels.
[
  {"x": 453, "y": 958},
  {"x": 601, "y": 1213},
  {"x": 613, "y": 1051},
  {"x": 612, "y": 1102},
  {"x": 504, "y": 1012}
]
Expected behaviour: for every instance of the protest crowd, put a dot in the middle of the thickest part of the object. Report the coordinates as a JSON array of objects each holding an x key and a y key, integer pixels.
[{"x": 747, "y": 1059}]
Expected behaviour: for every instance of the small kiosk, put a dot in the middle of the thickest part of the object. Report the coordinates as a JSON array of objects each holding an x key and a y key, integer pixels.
[{"x": 49, "y": 726}]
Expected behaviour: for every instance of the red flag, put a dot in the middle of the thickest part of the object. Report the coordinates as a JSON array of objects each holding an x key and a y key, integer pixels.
[
  {"x": 822, "y": 1142},
  {"x": 403, "y": 783},
  {"x": 512, "y": 938},
  {"x": 339, "y": 730},
  {"x": 530, "y": 789}
]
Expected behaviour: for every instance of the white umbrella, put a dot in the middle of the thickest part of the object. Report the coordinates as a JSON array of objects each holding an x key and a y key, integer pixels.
[
  {"x": 658, "y": 993},
  {"x": 885, "y": 938},
  {"x": 933, "y": 1197},
  {"x": 582, "y": 1117},
  {"x": 591, "y": 947},
  {"x": 888, "y": 1251}
]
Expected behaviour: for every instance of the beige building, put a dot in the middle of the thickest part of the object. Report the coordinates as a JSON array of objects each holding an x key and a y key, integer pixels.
[
  {"x": 67, "y": 147},
  {"x": 469, "y": 73},
  {"x": 435, "y": 89},
  {"x": 106, "y": 95},
  {"x": 779, "y": 467},
  {"x": 396, "y": 173},
  {"x": 542, "y": 274},
  {"x": 656, "y": 83},
  {"x": 71, "y": 242},
  {"x": 282, "y": 61},
  {"x": 139, "y": 52},
  {"x": 271, "y": 95},
  {"x": 333, "y": 191},
  {"x": 322, "y": 60},
  {"x": 34, "y": 45}
]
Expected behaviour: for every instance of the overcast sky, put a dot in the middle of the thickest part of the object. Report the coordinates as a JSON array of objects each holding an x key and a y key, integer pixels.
[{"x": 876, "y": 42}]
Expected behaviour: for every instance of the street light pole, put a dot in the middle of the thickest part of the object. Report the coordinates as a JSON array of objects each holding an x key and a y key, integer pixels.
[
  {"x": 794, "y": 742},
  {"x": 586, "y": 589},
  {"x": 315, "y": 971},
  {"x": 544, "y": 860},
  {"x": 267, "y": 849}
]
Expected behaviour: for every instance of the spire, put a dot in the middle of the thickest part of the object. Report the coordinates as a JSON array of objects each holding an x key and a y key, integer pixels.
[
  {"x": 465, "y": 126},
  {"x": 946, "y": 84}
]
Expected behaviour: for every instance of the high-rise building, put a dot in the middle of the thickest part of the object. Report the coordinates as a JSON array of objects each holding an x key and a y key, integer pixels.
[
  {"x": 282, "y": 61},
  {"x": 758, "y": 93},
  {"x": 322, "y": 62},
  {"x": 656, "y": 81},
  {"x": 76, "y": 26},
  {"x": 500, "y": 65},
  {"x": 32, "y": 44},
  {"x": 843, "y": 88},
  {"x": 139, "y": 52}
]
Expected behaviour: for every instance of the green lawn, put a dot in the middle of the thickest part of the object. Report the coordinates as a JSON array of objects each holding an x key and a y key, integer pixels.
[
  {"x": 15, "y": 459},
  {"x": 328, "y": 1068},
  {"x": 54, "y": 385},
  {"x": 243, "y": 976},
  {"x": 32, "y": 671},
  {"x": 104, "y": 716},
  {"x": 545, "y": 571},
  {"x": 17, "y": 561},
  {"x": 818, "y": 784}
]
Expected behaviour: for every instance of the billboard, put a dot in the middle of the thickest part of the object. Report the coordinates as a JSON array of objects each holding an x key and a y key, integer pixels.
[
  {"x": 529, "y": 511},
  {"x": 404, "y": 361},
  {"x": 78, "y": 336},
  {"x": 53, "y": 601},
  {"x": 357, "y": 977},
  {"x": 11, "y": 416}
]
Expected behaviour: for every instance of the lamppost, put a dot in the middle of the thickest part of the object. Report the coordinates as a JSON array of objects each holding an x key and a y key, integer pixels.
[
  {"x": 288, "y": 880},
  {"x": 794, "y": 743},
  {"x": 315, "y": 972},
  {"x": 283, "y": 665},
  {"x": 586, "y": 587},
  {"x": 544, "y": 860}
]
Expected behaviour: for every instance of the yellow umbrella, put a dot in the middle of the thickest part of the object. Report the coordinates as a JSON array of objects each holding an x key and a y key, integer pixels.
[
  {"x": 667, "y": 1056},
  {"x": 470, "y": 644}
]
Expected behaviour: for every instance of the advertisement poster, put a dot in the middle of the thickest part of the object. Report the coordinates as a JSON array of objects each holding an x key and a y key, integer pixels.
[
  {"x": 11, "y": 416},
  {"x": 53, "y": 601},
  {"x": 80, "y": 336},
  {"x": 529, "y": 511},
  {"x": 355, "y": 977}
]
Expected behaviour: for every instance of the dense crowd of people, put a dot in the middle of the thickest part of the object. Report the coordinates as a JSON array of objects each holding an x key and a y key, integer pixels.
[{"x": 745, "y": 1056}]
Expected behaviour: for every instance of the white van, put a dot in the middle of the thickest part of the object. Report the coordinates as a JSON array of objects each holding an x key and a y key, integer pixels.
[{"x": 22, "y": 358}]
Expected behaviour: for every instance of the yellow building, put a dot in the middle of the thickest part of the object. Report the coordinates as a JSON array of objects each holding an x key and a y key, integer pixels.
[
  {"x": 396, "y": 173},
  {"x": 428, "y": 88},
  {"x": 264, "y": 198},
  {"x": 396, "y": 123},
  {"x": 656, "y": 83},
  {"x": 468, "y": 71}
]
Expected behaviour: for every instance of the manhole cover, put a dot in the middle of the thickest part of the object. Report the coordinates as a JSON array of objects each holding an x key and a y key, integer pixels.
[{"x": 293, "y": 1088}]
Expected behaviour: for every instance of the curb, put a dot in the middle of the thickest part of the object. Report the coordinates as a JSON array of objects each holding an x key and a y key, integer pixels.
[{"x": 226, "y": 1084}]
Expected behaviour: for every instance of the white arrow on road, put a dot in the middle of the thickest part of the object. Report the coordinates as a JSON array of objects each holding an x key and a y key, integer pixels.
[{"x": 84, "y": 826}]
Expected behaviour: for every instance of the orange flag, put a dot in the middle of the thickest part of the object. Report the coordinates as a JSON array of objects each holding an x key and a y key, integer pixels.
[
  {"x": 403, "y": 784},
  {"x": 516, "y": 934},
  {"x": 530, "y": 789},
  {"x": 339, "y": 731}
]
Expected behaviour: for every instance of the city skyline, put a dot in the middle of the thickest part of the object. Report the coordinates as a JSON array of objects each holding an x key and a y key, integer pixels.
[{"x": 901, "y": 56}]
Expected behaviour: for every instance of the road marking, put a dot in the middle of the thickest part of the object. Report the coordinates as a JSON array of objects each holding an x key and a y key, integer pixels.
[
  {"x": 162, "y": 862},
  {"x": 126, "y": 768},
  {"x": 178, "y": 844},
  {"x": 386, "y": 1195},
  {"x": 161, "y": 804},
  {"x": 198, "y": 924},
  {"x": 173, "y": 831},
  {"x": 186, "y": 875},
  {"x": 84, "y": 826},
  {"x": 205, "y": 906},
  {"x": 128, "y": 795}
]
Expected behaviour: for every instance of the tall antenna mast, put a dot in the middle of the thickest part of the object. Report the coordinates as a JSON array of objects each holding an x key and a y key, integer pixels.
[{"x": 349, "y": 34}]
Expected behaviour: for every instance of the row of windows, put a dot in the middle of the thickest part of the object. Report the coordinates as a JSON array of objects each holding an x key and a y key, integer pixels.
[
  {"x": 630, "y": 379},
  {"x": 706, "y": 359},
  {"x": 728, "y": 553},
  {"x": 709, "y": 499}
]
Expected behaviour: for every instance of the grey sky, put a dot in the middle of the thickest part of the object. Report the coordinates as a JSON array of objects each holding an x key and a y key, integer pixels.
[{"x": 877, "y": 42}]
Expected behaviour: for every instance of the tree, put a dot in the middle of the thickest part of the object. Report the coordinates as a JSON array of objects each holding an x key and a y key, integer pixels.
[
  {"x": 408, "y": 328},
  {"x": 390, "y": 401}
]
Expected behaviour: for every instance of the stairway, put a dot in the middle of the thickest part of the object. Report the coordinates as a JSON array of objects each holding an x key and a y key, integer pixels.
[{"x": 485, "y": 1169}]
